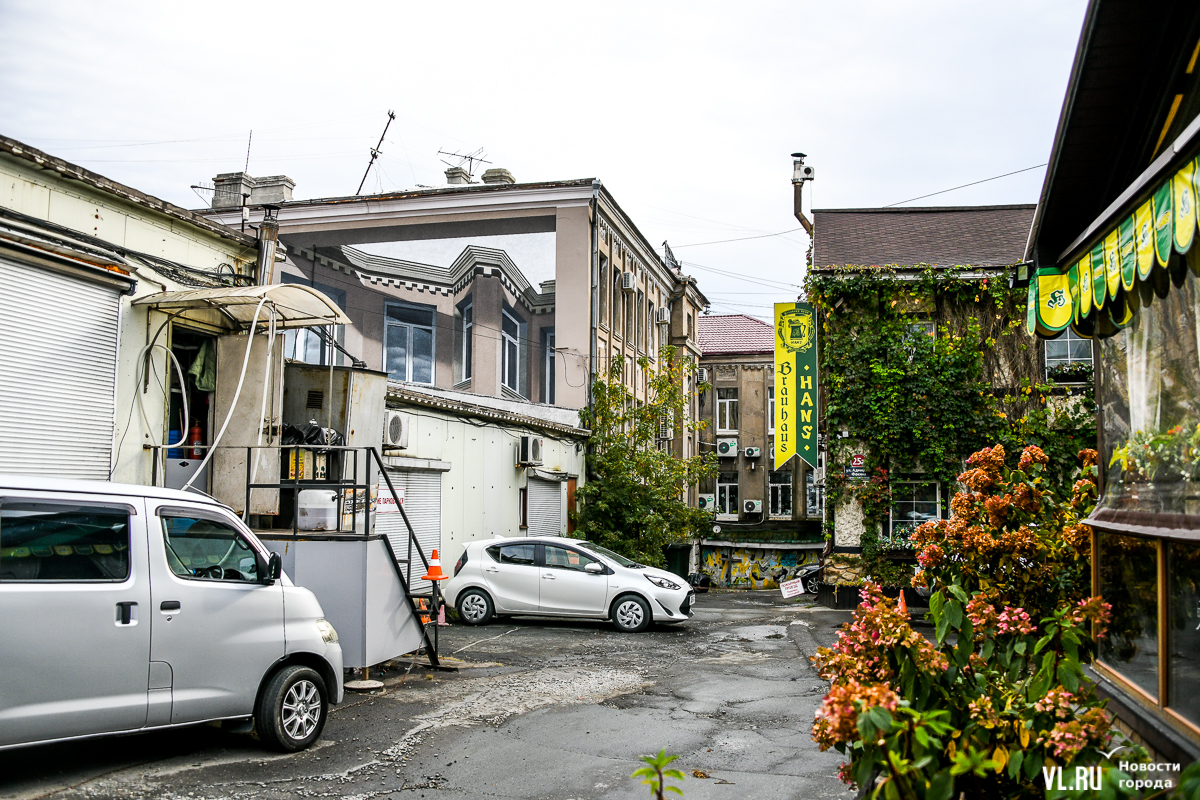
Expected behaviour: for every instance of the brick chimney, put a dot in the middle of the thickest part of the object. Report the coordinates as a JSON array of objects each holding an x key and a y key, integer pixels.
[
  {"x": 457, "y": 175},
  {"x": 230, "y": 187},
  {"x": 498, "y": 175}
]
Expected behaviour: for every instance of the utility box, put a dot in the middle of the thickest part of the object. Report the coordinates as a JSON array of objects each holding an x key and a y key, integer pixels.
[{"x": 358, "y": 400}]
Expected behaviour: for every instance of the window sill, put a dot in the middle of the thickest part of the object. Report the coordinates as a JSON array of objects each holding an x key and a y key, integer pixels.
[
  {"x": 509, "y": 394},
  {"x": 462, "y": 384},
  {"x": 727, "y": 518}
]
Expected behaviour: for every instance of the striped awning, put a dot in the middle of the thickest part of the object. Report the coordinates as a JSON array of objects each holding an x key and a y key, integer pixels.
[{"x": 1139, "y": 257}]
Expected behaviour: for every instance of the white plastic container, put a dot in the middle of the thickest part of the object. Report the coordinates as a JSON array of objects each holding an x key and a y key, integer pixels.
[{"x": 316, "y": 510}]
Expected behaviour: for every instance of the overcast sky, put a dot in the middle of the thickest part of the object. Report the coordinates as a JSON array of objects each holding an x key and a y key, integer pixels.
[{"x": 687, "y": 111}]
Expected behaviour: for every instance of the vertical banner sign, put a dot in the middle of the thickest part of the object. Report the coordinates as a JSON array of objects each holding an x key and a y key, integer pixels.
[{"x": 795, "y": 383}]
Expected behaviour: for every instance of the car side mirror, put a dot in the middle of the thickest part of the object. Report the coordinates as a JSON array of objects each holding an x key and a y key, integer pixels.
[
  {"x": 274, "y": 569},
  {"x": 593, "y": 567}
]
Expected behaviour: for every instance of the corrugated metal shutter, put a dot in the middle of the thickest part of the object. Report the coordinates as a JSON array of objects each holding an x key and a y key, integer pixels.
[
  {"x": 545, "y": 507},
  {"x": 58, "y": 364},
  {"x": 423, "y": 505}
]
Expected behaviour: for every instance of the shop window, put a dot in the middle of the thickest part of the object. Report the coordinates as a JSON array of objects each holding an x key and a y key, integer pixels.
[
  {"x": 1128, "y": 579},
  {"x": 727, "y": 410},
  {"x": 812, "y": 496},
  {"x": 408, "y": 343},
  {"x": 1183, "y": 671},
  {"x": 1069, "y": 358},
  {"x": 780, "y": 484},
  {"x": 727, "y": 495},
  {"x": 912, "y": 505}
]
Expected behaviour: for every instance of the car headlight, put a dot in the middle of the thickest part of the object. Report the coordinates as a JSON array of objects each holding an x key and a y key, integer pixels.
[
  {"x": 327, "y": 632},
  {"x": 662, "y": 583}
]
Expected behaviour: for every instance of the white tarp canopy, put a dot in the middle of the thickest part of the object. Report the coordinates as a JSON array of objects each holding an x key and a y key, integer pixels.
[{"x": 295, "y": 305}]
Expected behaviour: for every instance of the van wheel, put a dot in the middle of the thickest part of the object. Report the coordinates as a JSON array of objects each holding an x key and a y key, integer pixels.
[
  {"x": 631, "y": 614},
  {"x": 292, "y": 710},
  {"x": 475, "y": 607}
]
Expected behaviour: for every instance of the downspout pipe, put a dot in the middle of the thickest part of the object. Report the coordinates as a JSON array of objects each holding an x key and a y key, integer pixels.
[
  {"x": 593, "y": 306},
  {"x": 800, "y": 174}
]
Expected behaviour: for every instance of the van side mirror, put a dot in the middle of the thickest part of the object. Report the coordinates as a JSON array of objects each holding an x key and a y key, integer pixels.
[
  {"x": 274, "y": 569},
  {"x": 593, "y": 567}
]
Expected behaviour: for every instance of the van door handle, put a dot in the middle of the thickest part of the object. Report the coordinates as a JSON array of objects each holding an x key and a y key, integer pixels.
[
  {"x": 125, "y": 609},
  {"x": 169, "y": 605}
]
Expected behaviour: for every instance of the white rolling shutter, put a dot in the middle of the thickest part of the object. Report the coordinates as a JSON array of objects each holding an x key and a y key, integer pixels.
[
  {"x": 545, "y": 507},
  {"x": 423, "y": 505},
  {"x": 58, "y": 365}
]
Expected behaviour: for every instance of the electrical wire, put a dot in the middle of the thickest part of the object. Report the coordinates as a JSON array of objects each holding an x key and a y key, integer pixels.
[
  {"x": 965, "y": 185},
  {"x": 143, "y": 360},
  {"x": 742, "y": 239}
]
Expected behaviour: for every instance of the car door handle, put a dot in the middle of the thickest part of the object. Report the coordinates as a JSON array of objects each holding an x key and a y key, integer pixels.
[
  {"x": 548, "y": 577},
  {"x": 169, "y": 605},
  {"x": 490, "y": 569},
  {"x": 125, "y": 610}
]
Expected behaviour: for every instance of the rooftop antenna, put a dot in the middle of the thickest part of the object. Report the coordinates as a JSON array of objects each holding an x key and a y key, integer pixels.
[
  {"x": 470, "y": 159},
  {"x": 375, "y": 151},
  {"x": 248, "y": 142}
]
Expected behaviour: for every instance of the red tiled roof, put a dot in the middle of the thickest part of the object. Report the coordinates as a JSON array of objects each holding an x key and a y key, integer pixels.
[{"x": 735, "y": 333}]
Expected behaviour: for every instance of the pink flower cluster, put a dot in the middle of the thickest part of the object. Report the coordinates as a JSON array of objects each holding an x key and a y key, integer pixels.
[
  {"x": 1057, "y": 702},
  {"x": 1066, "y": 739},
  {"x": 1093, "y": 609},
  {"x": 931, "y": 556},
  {"x": 837, "y": 718},
  {"x": 983, "y": 710},
  {"x": 1014, "y": 620}
]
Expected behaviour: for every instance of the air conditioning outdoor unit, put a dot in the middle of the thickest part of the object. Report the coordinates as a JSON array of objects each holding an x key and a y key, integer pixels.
[
  {"x": 727, "y": 448},
  {"x": 395, "y": 430},
  {"x": 702, "y": 375},
  {"x": 530, "y": 451},
  {"x": 708, "y": 502},
  {"x": 753, "y": 452},
  {"x": 752, "y": 506},
  {"x": 662, "y": 315},
  {"x": 628, "y": 281}
]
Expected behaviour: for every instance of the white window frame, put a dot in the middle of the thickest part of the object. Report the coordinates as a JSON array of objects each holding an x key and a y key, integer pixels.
[
  {"x": 548, "y": 369},
  {"x": 506, "y": 341},
  {"x": 468, "y": 323},
  {"x": 1068, "y": 336},
  {"x": 771, "y": 409},
  {"x": 722, "y": 496},
  {"x": 389, "y": 323},
  {"x": 723, "y": 406},
  {"x": 814, "y": 498},
  {"x": 892, "y": 522},
  {"x": 775, "y": 493}
]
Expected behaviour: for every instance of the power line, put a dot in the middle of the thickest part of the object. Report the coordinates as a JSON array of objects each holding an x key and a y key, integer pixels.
[
  {"x": 742, "y": 239},
  {"x": 965, "y": 185},
  {"x": 767, "y": 282}
]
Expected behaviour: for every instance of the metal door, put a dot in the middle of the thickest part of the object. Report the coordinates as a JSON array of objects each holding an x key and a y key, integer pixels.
[
  {"x": 58, "y": 368},
  {"x": 75, "y": 589},
  {"x": 545, "y": 507},
  {"x": 423, "y": 505},
  {"x": 213, "y": 623}
]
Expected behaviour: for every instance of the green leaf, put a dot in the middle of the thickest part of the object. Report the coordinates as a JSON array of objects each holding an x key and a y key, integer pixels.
[
  {"x": 1068, "y": 677},
  {"x": 954, "y": 612},
  {"x": 960, "y": 593},
  {"x": 941, "y": 787},
  {"x": 880, "y": 716},
  {"x": 1014, "y": 763},
  {"x": 1019, "y": 648},
  {"x": 1032, "y": 765},
  {"x": 936, "y": 600},
  {"x": 943, "y": 623}
]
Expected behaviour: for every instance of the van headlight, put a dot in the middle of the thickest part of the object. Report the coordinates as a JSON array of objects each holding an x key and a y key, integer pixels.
[
  {"x": 662, "y": 583},
  {"x": 327, "y": 632}
]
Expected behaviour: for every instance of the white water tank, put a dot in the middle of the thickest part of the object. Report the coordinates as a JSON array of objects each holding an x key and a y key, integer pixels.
[{"x": 317, "y": 509}]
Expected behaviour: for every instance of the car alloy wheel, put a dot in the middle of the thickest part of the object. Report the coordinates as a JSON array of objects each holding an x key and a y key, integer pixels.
[
  {"x": 474, "y": 607},
  {"x": 301, "y": 709},
  {"x": 631, "y": 614}
]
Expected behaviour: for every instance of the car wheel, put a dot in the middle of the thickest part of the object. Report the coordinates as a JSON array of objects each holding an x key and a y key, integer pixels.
[
  {"x": 292, "y": 710},
  {"x": 475, "y": 607},
  {"x": 631, "y": 614}
]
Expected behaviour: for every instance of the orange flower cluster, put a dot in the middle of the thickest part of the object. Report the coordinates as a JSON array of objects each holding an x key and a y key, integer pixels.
[
  {"x": 837, "y": 718},
  {"x": 1078, "y": 536},
  {"x": 986, "y": 469},
  {"x": 1031, "y": 455}
]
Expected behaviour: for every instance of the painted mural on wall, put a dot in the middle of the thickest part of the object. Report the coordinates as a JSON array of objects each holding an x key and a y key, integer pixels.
[{"x": 752, "y": 568}]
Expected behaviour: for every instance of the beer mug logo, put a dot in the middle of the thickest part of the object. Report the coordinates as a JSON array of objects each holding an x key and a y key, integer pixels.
[{"x": 796, "y": 330}]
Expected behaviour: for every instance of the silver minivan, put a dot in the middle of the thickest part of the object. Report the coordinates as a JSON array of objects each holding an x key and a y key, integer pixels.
[{"x": 129, "y": 608}]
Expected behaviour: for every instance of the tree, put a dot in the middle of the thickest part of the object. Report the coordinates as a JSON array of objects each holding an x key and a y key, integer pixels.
[{"x": 634, "y": 501}]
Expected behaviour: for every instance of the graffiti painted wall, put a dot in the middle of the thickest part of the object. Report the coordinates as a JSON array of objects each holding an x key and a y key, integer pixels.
[{"x": 752, "y": 568}]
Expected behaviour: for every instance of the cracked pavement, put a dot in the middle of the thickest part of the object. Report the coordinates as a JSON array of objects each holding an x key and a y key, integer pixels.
[{"x": 541, "y": 708}]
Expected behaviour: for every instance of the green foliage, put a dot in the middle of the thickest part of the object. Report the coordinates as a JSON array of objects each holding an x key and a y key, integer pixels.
[
  {"x": 655, "y": 776},
  {"x": 634, "y": 499}
]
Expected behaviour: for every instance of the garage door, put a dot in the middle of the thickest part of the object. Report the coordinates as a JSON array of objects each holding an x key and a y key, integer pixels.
[
  {"x": 423, "y": 505},
  {"x": 58, "y": 369},
  {"x": 545, "y": 507}
]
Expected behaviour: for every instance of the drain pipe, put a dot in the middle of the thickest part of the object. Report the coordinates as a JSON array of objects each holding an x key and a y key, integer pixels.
[
  {"x": 593, "y": 306},
  {"x": 800, "y": 175}
]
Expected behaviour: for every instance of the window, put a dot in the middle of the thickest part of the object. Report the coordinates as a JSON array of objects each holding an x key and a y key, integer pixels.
[
  {"x": 1128, "y": 572},
  {"x": 641, "y": 329},
  {"x": 913, "y": 504},
  {"x": 564, "y": 558},
  {"x": 1069, "y": 358},
  {"x": 780, "y": 484},
  {"x": 511, "y": 368},
  {"x": 522, "y": 508},
  {"x": 727, "y": 494},
  {"x": 617, "y": 296},
  {"x": 812, "y": 496},
  {"x": 466, "y": 329},
  {"x": 727, "y": 410},
  {"x": 691, "y": 330},
  {"x": 42, "y": 541},
  {"x": 770, "y": 409},
  {"x": 923, "y": 327},
  {"x": 603, "y": 284},
  {"x": 408, "y": 343},
  {"x": 204, "y": 549},
  {"x": 314, "y": 345},
  {"x": 548, "y": 366},
  {"x": 651, "y": 331},
  {"x": 512, "y": 554}
]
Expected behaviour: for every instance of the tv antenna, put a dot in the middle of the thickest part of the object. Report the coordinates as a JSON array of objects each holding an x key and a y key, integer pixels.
[
  {"x": 470, "y": 159},
  {"x": 375, "y": 151}
]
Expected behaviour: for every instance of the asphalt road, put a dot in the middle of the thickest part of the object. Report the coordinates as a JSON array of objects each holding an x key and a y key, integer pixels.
[{"x": 541, "y": 709}]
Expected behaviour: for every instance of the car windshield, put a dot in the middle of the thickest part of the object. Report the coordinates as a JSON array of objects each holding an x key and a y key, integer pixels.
[{"x": 617, "y": 557}]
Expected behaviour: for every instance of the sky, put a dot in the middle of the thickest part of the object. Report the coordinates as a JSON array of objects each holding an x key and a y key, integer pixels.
[{"x": 687, "y": 111}]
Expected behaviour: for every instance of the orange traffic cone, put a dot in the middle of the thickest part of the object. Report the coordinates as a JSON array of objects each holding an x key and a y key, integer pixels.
[
  {"x": 903, "y": 607},
  {"x": 435, "y": 570}
]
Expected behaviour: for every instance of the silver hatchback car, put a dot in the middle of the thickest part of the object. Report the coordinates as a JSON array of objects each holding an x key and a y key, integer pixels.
[{"x": 553, "y": 576}]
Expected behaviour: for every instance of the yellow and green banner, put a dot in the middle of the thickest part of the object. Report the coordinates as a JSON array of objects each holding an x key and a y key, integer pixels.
[{"x": 795, "y": 383}]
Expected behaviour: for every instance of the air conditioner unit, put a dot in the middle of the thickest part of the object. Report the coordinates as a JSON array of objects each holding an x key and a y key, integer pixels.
[
  {"x": 708, "y": 502},
  {"x": 727, "y": 448},
  {"x": 628, "y": 281},
  {"x": 753, "y": 452},
  {"x": 702, "y": 375},
  {"x": 752, "y": 506},
  {"x": 530, "y": 451},
  {"x": 662, "y": 315},
  {"x": 395, "y": 430}
]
